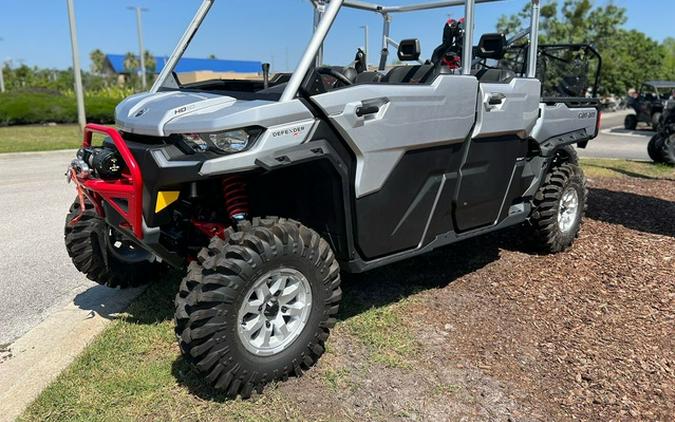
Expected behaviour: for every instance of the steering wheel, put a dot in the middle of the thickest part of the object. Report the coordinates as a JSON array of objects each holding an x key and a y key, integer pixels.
[{"x": 336, "y": 74}]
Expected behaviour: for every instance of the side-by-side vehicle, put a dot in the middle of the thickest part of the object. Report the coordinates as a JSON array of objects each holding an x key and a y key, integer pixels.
[{"x": 265, "y": 190}]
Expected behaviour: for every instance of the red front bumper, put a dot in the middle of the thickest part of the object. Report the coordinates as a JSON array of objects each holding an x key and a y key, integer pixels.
[{"x": 124, "y": 195}]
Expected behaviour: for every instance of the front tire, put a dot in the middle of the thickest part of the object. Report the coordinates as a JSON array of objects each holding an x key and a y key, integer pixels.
[
  {"x": 630, "y": 122},
  {"x": 258, "y": 307},
  {"x": 654, "y": 148},
  {"x": 667, "y": 150},
  {"x": 104, "y": 255},
  {"x": 559, "y": 208}
]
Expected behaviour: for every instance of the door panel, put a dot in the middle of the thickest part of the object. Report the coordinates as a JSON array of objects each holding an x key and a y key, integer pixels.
[
  {"x": 506, "y": 116},
  {"x": 408, "y": 117}
]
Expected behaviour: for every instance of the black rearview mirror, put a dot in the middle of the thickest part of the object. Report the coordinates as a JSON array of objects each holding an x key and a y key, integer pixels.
[{"x": 491, "y": 46}]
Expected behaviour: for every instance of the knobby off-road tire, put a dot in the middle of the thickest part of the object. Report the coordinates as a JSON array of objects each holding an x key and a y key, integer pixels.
[
  {"x": 90, "y": 247},
  {"x": 211, "y": 299},
  {"x": 556, "y": 224},
  {"x": 667, "y": 150},
  {"x": 654, "y": 148},
  {"x": 630, "y": 122}
]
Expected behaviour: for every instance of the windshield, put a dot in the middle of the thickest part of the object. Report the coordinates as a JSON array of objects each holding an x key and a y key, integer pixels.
[{"x": 234, "y": 41}]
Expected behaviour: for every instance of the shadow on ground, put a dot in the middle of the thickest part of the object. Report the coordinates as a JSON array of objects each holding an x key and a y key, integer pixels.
[{"x": 643, "y": 213}]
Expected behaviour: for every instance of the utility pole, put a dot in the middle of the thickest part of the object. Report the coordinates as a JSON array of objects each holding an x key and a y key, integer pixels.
[
  {"x": 139, "y": 27},
  {"x": 79, "y": 93},
  {"x": 365, "y": 45},
  {"x": 2, "y": 77}
]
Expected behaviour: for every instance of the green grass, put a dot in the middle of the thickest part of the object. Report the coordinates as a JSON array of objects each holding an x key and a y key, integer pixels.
[
  {"x": 39, "y": 138},
  {"x": 602, "y": 167},
  {"x": 133, "y": 370},
  {"x": 385, "y": 334}
]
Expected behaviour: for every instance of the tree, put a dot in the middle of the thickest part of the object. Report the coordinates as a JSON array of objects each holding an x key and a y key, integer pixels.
[
  {"x": 131, "y": 63},
  {"x": 97, "y": 61},
  {"x": 669, "y": 62},
  {"x": 629, "y": 57}
]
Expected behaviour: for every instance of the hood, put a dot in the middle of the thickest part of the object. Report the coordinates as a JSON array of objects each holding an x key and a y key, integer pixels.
[{"x": 166, "y": 113}]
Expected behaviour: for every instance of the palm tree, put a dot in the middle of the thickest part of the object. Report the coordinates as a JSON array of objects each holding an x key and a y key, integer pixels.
[
  {"x": 97, "y": 61},
  {"x": 131, "y": 64}
]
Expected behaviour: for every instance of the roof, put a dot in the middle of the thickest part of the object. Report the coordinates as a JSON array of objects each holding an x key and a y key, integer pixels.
[
  {"x": 192, "y": 65},
  {"x": 661, "y": 84}
]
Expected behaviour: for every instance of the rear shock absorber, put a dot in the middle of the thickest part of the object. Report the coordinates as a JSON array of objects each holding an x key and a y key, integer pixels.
[{"x": 236, "y": 198}]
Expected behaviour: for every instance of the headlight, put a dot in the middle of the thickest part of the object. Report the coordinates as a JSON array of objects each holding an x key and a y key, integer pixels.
[{"x": 229, "y": 142}]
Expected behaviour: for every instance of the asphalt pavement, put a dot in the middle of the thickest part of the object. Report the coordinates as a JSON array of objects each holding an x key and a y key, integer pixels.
[
  {"x": 616, "y": 142},
  {"x": 36, "y": 275}
]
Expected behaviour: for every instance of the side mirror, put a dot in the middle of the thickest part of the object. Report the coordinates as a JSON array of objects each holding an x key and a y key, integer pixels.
[
  {"x": 409, "y": 50},
  {"x": 491, "y": 46}
]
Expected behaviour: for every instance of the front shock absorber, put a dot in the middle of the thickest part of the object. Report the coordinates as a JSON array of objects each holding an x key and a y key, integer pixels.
[{"x": 236, "y": 198}]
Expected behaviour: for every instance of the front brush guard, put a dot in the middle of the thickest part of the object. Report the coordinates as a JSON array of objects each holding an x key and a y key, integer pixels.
[{"x": 124, "y": 195}]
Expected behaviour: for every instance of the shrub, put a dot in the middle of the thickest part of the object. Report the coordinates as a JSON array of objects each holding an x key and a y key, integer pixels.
[{"x": 35, "y": 107}]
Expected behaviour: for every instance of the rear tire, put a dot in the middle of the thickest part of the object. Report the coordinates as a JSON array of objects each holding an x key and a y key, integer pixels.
[
  {"x": 667, "y": 150},
  {"x": 559, "y": 208},
  {"x": 654, "y": 148},
  {"x": 630, "y": 122},
  {"x": 89, "y": 245},
  {"x": 233, "y": 314}
]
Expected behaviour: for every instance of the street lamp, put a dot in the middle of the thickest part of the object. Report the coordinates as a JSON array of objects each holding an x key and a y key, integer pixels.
[
  {"x": 365, "y": 34},
  {"x": 139, "y": 27},
  {"x": 2, "y": 77},
  {"x": 79, "y": 93}
]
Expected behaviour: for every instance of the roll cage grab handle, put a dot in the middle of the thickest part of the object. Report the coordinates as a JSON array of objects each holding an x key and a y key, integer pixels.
[{"x": 325, "y": 12}]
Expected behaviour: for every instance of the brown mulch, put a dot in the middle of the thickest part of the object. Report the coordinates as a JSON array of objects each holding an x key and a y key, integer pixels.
[{"x": 505, "y": 334}]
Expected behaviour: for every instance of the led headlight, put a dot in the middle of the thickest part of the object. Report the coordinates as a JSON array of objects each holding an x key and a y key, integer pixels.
[{"x": 229, "y": 142}]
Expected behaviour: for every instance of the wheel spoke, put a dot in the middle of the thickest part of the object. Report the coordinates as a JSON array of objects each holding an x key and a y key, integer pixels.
[
  {"x": 263, "y": 292},
  {"x": 252, "y": 326},
  {"x": 278, "y": 285},
  {"x": 294, "y": 310},
  {"x": 266, "y": 335},
  {"x": 280, "y": 327},
  {"x": 253, "y": 307},
  {"x": 289, "y": 293}
]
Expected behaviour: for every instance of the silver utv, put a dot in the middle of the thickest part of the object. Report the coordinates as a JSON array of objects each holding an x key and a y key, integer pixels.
[{"x": 365, "y": 166}]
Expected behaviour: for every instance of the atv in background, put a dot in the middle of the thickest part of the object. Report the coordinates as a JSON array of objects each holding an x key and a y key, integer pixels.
[
  {"x": 661, "y": 147},
  {"x": 649, "y": 104}
]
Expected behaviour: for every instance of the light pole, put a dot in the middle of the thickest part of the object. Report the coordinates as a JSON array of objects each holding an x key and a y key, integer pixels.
[
  {"x": 365, "y": 34},
  {"x": 2, "y": 77},
  {"x": 139, "y": 27},
  {"x": 79, "y": 94}
]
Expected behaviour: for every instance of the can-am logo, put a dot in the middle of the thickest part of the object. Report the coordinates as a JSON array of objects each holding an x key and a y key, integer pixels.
[
  {"x": 294, "y": 131},
  {"x": 587, "y": 114}
]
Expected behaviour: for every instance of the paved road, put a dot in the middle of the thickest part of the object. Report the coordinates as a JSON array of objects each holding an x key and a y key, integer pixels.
[
  {"x": 36, "y": 276},
  {"x": 616, "y": 142}
]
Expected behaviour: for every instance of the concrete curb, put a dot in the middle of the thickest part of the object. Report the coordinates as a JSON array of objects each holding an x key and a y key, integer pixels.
[{"x": 37, "y": 358}]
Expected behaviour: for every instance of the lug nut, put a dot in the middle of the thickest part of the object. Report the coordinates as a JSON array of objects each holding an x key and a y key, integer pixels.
[{"x": 267, "y": 324}]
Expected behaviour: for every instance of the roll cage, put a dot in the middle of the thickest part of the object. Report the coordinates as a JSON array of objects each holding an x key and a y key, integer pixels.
[{"x": 325, "y": 13}]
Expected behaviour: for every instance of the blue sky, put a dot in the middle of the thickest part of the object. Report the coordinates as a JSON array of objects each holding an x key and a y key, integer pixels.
[{"x": 35, "y": 32}]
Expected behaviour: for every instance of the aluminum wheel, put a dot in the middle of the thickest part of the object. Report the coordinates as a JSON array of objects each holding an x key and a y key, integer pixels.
[
  {"x": 275, "y": 311},
  {"x": 568, "y": 212}
]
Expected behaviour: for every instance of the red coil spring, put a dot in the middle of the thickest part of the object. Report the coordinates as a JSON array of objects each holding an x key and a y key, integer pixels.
[{"x": 235, "y": 196}]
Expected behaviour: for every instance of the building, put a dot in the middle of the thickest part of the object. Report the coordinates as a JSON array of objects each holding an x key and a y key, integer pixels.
[{"x": 192, "y": 70}]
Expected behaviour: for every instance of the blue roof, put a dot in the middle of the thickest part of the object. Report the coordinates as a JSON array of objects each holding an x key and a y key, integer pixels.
[{"x": 192, "y": 65}]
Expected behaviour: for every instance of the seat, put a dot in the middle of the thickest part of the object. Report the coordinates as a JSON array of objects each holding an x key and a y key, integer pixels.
[
  {"x": 495, "y": 76},
  {"x": 417, "y": 74},
  {"x": 369, "y": 77}
]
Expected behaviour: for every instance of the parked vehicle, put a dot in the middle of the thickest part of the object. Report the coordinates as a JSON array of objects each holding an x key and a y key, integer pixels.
[
  {"x": 661, "y": 147},
  {"x": 649, "y": 103},
  {"x": 360, "y": 168}
]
